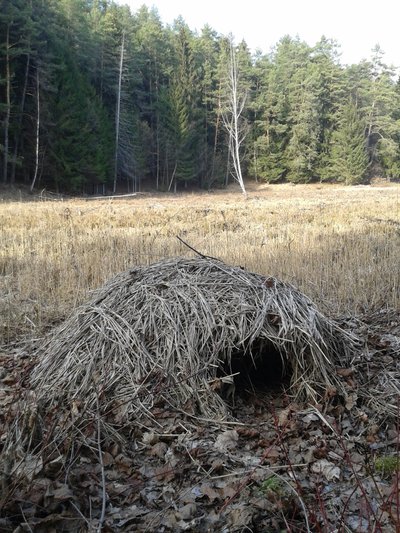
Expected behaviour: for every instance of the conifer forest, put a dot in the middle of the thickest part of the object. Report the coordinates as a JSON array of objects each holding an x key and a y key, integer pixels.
[{"x": 95, "y": 98}]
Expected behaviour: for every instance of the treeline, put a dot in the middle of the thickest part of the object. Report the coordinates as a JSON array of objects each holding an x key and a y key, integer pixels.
[{"x": 95, "y": 97}]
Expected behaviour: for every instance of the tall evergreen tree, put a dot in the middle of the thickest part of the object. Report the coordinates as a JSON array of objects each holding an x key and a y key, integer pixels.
[
  {"x": 283, "y": 98},
  {"x": 269, "y": 125},
  {"x": 79, "y": 145},
  {"x": 207, "y": 50},
  {"x": 349, "y": 159},
  {"x": 181, "y": 115},
  {"x": 330, "y": 91},
  {"x": 155, "y": 50},
  {"x": 380, "y": 108},
  {"x": 302, "y": 150}
]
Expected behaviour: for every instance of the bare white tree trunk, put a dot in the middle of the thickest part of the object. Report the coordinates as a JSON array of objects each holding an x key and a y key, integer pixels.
[
  {"x": 234, "y": 123},
  {"x": 37, "y": 130},
  {"x": 118, "y": 112}
]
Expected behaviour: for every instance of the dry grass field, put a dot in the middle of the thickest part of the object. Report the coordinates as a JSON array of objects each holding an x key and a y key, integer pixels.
[{"x": 339, "y": 245}]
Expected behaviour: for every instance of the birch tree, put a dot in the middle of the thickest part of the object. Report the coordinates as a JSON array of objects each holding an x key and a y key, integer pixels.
[{"x": 234, "y": 104}]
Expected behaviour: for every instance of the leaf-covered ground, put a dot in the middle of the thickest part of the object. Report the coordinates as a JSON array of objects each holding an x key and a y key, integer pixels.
[{"x": 280, "y": 467}]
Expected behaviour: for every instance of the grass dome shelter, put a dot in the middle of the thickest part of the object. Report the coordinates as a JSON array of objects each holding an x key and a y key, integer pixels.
[{"x": 168, "y": 334}]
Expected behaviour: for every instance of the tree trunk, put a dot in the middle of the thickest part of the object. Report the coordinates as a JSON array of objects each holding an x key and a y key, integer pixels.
[
  {"x": 216, "y": 133},
  {"x": 101, "y": 71},
  {"x": 21, "y": 115},
  {"x": 8, "y": 105},
  {"x": 158, "y": 153},
  {"x": 37, "y": 130},
  {"x": 228, "y": 161},
  {"x": 173, "y": 180},
  {"x": 118, "y": 112},
  {"x": 255, "y": 163},
  {"x": 157, "y": 122}
]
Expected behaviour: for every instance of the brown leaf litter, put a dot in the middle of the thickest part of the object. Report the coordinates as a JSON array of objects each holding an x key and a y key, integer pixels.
[{"x": 116, "y": 422}]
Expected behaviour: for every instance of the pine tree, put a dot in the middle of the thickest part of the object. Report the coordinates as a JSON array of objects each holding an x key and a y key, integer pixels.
[
  {"x": 154, "y": 51},
  {"x": 381, "y": 109},
  {"x": 330, "y": 91},
  {"x": 349, "y": 159},
  {"x": 269, "y": 127},
  {"x": 180, "y": 113},
  {"x": 206, "y": 51},
  {"x": 281, "y": 101},
  {"x": 303, "y": 118},
  {"x": 302, "y": 149}
]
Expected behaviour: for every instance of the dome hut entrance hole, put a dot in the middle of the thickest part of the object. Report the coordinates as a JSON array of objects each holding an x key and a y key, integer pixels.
[{"x": 256, "y": 372}]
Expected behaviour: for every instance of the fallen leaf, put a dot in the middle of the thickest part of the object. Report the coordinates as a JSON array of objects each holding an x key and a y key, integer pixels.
[
  {"x": 345, "y": 372},
  {"x": 248, "y": 433},
  {"x": 351, "y": 401},
  {"x": 240, "y": 517},
  {"x": 62, "y": 493},
  {"x": 210, "y": 492},
  {"x": 150, "y": 438},
  {"x": 159, "y": 450},
  {"x": 329, "y": 470},
  {"x": 358, "y": 523},
  {"x": 187, "y": 512},
  {"x": 227, "y": 440},
  {"x": 29, "y": 467},
  {"x": 164, "y": 473},
  {"x": 310, "y": 417},
  {"x": 108, "y": 459}
]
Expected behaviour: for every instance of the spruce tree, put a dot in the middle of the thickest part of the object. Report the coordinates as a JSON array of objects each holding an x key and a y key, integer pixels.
[
  {"x": 284, "y": 98},
  {"x": 206, "y": 58},
  {"x": 179, "y": 106},
  {"x": 269, "y": 127},
  {"x": 302, "y": 149},
  {"x": 330, "y": 91},
  {"x": 154, "y": 49},
  {"x": 349, "y": 159}
]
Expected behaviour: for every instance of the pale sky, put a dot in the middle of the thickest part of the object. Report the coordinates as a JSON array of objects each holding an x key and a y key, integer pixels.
[{"x": 356, "y": 24}]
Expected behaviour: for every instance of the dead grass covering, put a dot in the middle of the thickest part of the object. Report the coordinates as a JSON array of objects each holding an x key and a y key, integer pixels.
[{"x": 159, "y": 335}]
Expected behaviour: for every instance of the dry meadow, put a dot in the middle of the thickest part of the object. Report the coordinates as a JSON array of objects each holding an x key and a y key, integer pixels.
[{"x": 339, "y": 245}]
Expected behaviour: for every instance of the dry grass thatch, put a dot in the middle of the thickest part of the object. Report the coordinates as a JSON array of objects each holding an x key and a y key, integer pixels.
[{"x": 163, "y": 335}]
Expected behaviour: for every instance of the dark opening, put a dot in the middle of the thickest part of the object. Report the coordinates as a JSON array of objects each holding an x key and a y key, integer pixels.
[{"x": 258, "y": 371}]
